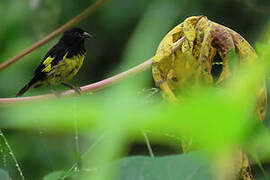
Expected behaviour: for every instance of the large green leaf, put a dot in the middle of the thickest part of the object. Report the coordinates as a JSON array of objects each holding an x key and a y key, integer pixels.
[
  {"x": 185, "y": 167},
  {"x": 190, "y": 166}
]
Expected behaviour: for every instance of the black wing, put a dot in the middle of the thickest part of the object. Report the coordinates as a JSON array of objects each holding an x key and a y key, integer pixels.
[{"x": 57, "y": 52}]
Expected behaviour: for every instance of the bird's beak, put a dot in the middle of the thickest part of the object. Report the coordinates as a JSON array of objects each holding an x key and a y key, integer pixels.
[{"x": 86, "y": 35}]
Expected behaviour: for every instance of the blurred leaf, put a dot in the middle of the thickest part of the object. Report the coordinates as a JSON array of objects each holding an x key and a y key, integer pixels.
[
  {"x": 56, "y": 175},
  {"x": 260, "y": 47},
  {"x": 215, "y": 118},
  {"x": 188, "y": 166},
  {"x": 207, "y": 115},
  {"x": 4, "y": 175}
]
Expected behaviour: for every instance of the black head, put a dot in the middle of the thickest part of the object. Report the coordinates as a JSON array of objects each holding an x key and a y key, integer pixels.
[{"x": 74, "y": 37}]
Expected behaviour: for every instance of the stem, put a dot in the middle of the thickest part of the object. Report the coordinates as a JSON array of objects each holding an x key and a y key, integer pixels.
[
  {"x": 76, "y": 136},
  {"x": 148, "y": 144},
  {"x": 11, "y": 153},
  {"x": 95, "y": 143},
  {"x": 84, "y": 89},
  {"x": 52, "y": 35},
  {"x": 254, "y": 7}
]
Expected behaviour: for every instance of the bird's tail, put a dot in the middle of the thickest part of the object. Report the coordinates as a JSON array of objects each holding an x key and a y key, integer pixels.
[{"x": 26, "y": 87}]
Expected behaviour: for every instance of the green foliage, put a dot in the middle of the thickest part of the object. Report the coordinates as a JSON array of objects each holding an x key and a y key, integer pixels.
[
  {"x": 56, "y": 175},
  {"x": 42, "y": 133},
  {"x": 189, "y": 166}
]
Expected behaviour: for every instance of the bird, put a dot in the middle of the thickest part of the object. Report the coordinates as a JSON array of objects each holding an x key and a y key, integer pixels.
[{"x": 61, "y": 63}]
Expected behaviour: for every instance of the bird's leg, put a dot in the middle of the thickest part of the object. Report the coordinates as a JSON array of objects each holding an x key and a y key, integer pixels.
[
  {"x": 57, "y": 94},
  {"x": 77, "y": 89}
]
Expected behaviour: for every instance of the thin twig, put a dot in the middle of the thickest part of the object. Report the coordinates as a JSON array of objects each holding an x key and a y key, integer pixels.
[
  {"x": 177, "y": 44},
  {"x": 76, "y": 135},
  {"x": 52, "y": 35},
  {"x": 82, "y": 156},
  {"x": 148, "y": 144},
  {"x": 84, "y": 89},
  {"x": 254, "y": 7},
  {"x": 12, "y": 155}
]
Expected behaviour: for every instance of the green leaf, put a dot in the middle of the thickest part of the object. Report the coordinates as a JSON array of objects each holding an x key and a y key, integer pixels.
[
  {"x": 185, "y": 167},
  {"x": 56, "y": 175}
]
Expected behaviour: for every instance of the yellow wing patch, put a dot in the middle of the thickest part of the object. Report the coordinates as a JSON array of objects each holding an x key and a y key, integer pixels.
[{"x": 47, "y": 64}]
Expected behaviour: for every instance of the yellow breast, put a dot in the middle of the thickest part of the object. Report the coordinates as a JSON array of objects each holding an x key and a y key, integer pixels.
[{"x": 65, "y": 69}]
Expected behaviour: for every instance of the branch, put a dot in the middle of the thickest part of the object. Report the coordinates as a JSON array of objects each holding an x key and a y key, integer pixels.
[
  {"x": 254, "y": 7},
  {"x": 85, "y": 89},
  {"x": 49, "y": 37}
]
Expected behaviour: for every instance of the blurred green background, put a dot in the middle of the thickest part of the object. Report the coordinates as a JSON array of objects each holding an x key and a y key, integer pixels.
[{"x": 123, "y": 31}]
